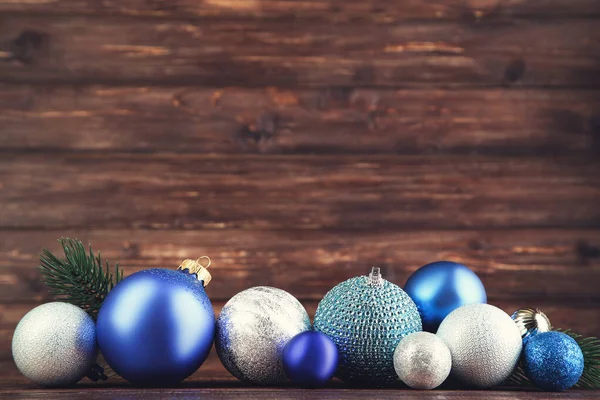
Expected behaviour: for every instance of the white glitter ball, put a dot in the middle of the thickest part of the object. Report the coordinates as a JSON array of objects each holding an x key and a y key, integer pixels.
[
  {"x": 252, "y": 330},
  {"x": 55, "y": 344},
  {"x": 485, "y": 344},
  {"x": 422, "y": 360}
]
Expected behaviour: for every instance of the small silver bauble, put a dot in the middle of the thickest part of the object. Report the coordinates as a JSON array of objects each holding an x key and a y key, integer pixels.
[
  {"x": 484, "y": 342},
  {"x": 531, "y": 321},
  {"x": 422, "y": 360},
  {"x": 55, "y": 344},
  {"x": 252, "y": 330}
]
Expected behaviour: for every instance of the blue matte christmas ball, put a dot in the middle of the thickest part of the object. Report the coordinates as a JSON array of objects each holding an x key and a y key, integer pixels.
[
  {"x": 366, "y": 317},
  {"x": 310, "y": 359},
  {"x": 156, "y": 327},
  {"x": 553, "y": 361},
  {"x": 440, "y": 288}
]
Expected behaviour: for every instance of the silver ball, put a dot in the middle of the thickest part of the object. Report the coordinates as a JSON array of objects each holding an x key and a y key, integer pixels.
[
  {"x": 55, "y": 344},
  {"x": 484, "y": 342},
  {"x": 422, "y": 360},
  {"x": 252, "y": 330}
]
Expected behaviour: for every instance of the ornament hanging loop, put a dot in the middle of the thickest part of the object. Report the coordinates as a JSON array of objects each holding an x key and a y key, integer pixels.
[
  {"x": 196, "y": 268},
  {"x": 207, "y": 258}
]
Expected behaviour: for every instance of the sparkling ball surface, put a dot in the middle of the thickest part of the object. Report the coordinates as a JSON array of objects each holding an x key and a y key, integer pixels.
[
  {"x": 55, "y": 344},
  {"x": 310, "y": 359},
  {"x": 253, "y": 328},
  {"x": 553, "y": 361},
  {"x": 366, "y": 322},
  {"x": 156, "y": 327},
  {"x": 422, "y": 360},
  {"x": 441, "y": 287},
  {"x": 485, "y": 344}
]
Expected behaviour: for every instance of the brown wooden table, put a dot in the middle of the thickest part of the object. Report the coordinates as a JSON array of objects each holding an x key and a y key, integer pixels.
[{"x": 212, "y": 381}]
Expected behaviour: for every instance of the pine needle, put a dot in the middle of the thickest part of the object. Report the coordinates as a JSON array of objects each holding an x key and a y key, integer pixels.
[
  {"x": 590, "y": 379},
  {"x": 79, "y": 278}
]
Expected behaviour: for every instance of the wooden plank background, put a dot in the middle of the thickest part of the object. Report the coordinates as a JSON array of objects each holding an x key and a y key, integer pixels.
[{"x": 299, "y": 142}]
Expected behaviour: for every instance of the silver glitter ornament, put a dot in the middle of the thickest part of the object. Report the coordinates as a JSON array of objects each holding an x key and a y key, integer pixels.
[
  {"x": 484, "y": 342},
  {"x": 366, "y": 317},
  {"x": 422, "y": 360},
  {"x": 531, "y": 321},
  {"x": 55, "y": 344},
  {"x": 252, "y": 330}
]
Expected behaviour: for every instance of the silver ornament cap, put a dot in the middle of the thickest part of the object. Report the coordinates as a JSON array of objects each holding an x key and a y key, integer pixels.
[
  {"x": 422, "y": 360},
  {"x": 55, "y": 344},
  {"x": 531, "y": 321}
]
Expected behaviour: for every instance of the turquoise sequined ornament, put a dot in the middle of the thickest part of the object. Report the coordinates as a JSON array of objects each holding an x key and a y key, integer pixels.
[{"x": 366, "y": 317}]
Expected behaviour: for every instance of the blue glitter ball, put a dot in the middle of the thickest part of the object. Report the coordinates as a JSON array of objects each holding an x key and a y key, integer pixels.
[
  {"x": 553, "y": 361},
  {"x": 366, "y": 317}
]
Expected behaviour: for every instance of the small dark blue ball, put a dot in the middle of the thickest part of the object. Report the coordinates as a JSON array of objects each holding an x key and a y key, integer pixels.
[
  {"x": 310, "y": 359},
  {"x": 553, "y": 361},
  {"x": 156, "y": 327}
]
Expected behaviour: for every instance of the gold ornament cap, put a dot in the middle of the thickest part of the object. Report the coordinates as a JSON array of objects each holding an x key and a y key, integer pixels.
[
  {"x": 531, "y": 321},
  {"x": 195, "y": 267}
]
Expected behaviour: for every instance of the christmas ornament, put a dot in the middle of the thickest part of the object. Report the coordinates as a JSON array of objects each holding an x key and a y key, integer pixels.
[
  {"x": 55, "y": 344},
  {"x": 441, "y": 287},
  {"x": 553, "y": 361},
  {"x": 484, "y": 342},
  {"x": 422, "y": 360},
  {"x": 531, "y": 321},
  {"x": 253, "y": 328},
  {"x": 156, "y": 327},
  {"x": 366, "y": 317},
  {"x": 79, "y": 278},
  {"x": 310, "y": 359}
]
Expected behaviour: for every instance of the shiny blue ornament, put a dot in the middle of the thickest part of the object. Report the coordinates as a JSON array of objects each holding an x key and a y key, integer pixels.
[
  {"x": 156, "y": 327},
  {"x": 310, "y": 359},
  {"x": 553, "y": 361},
  {"x": 366, "y": 317},
  {"x": 441, "y": 287}
]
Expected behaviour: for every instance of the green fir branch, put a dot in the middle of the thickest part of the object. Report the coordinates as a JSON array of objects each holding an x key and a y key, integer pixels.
[
  {"x": 590, "y": 347},
  {"x": 590, "y": 379},
  {"x": 79, "y": 278}
]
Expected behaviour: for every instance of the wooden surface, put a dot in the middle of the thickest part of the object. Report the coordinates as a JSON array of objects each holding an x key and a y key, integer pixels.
[
  {"x": 211, "y": 382},
  {"x": 299, "y": 142},
  {"x": 312, "y": 53}
]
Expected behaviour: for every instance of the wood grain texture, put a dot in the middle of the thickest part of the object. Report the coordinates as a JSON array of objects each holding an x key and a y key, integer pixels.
[
  {"x": 279, "y": 192},
  {"x": 300, "y": 53},
  {"x": 523, "y": 265},
  {"x": 213, "y": 382},
  {"x": 277, "y": 121},
  {"x": 335, "y": 10},
  {"x": 579, "y": 317}
]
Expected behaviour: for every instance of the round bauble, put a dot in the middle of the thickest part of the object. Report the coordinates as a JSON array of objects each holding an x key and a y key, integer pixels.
[
  {"x": 553, "y": 361},
  {"x": 484, "y": 342},
  {"x": 156, "y": 327},
  {"x": 422, "y": 360},
  {"x": 310, "y": 359},
  {"x": 253, "y": 328},
  {"x": 531, "y": 321},
  {"x": 366, "y": 317},
  {"x": 440, "y": 288},
  {"x": 55, "y": 344}
]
